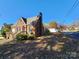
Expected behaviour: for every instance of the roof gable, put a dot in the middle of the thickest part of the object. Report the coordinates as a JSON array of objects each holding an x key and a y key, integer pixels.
[
  {"x": 21, "y": 21},
  {"x": 32, "y": 19},
  {"x": 24, "y": 19}
]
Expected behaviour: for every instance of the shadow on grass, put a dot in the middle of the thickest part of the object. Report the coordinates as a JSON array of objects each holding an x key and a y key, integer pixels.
[
  {"x": 29, "y": 50},
  {"x": 21, "y": 51},
  {"x": 24, "y": 50}
]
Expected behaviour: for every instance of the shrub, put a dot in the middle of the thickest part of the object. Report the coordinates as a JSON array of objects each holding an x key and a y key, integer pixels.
[
  {"x": 47, "y": 32},
  {"x": 31, "y": 37},
  {"x": 3, "y": 33},
  {"x": 21, "y": 37}
]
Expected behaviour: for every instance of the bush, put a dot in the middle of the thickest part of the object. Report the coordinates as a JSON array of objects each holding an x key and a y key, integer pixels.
[
  {"x": 3, "y": 33},
  {"x": 21, "y": 37},
  {"x": 31, "y": 37},
  {"x": 47, "y": 32}
]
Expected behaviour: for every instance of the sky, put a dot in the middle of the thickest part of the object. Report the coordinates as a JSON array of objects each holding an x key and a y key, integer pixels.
[{"x": 53, "y": 10}]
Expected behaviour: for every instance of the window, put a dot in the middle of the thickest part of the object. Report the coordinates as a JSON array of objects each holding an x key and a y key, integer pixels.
[{"x": 23, "y": 28}]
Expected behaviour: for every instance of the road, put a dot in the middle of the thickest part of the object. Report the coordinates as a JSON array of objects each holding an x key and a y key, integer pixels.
[{"x": 73, "y": 35}]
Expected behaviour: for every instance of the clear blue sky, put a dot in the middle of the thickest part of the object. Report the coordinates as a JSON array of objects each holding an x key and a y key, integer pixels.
[{"x": 53, "y": 10}]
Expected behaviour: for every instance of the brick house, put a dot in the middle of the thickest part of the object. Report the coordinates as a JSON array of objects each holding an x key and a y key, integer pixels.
[{"x": 30, "y": 26}]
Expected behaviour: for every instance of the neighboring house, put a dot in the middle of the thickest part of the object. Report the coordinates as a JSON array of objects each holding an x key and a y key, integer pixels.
[
  {"x": 75, "y": 28},
  {"x": 53, "y": 30},
  {"x": 30, "y": 26},
  {"x": 65, "y": 28}
]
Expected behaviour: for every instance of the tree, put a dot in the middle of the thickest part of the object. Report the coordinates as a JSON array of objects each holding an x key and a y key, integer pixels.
[
  {"x": 5, "y": 28},
  {"x": 53, "y": 24}
]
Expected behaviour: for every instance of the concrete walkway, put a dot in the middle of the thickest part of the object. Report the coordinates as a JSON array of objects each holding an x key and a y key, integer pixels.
[{"x": 3, "y": 40}]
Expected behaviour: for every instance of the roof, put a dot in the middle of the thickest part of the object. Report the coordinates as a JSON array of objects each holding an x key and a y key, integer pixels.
[
  {"x": 32, "y": 19},
  {"x": 24, "y": 19}
]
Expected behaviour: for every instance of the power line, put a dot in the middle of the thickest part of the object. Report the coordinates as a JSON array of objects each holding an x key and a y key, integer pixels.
[{"x": 73, "y": 7}]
